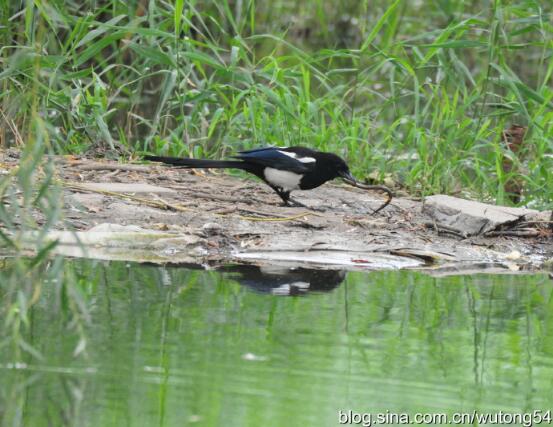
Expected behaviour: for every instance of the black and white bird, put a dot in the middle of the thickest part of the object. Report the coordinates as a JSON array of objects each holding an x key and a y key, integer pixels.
[
  {"x": 284, "y": 281},
  {"x": 283, "y": 169}
]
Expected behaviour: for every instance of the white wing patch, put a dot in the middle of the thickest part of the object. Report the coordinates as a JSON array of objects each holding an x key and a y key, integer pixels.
[
  {"x": 299, "y": 159},
  {"x": 286, "y": 180},
  {"x": 286, "y": 289}
]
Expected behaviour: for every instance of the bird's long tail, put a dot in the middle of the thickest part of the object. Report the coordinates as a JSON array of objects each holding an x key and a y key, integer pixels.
[{"x": 184, "y": 162}]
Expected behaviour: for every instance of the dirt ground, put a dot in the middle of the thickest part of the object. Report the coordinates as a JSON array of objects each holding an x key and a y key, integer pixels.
[{"x": 234, "y": 219}]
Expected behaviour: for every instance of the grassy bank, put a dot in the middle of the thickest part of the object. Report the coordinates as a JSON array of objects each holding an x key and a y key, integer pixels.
[
  {"x": 416, "y": 91},
  {"x": 419, "y": 90}
]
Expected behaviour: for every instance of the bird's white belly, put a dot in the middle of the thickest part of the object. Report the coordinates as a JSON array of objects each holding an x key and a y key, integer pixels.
[{"x": 288, "y": 181}]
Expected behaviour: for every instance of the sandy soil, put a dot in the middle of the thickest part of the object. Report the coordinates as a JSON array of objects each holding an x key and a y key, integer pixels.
[{"x": 236, "y": 218}]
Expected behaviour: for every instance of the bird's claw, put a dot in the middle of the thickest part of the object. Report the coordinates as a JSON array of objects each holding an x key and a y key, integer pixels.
[{"x": 291, "y": 203}]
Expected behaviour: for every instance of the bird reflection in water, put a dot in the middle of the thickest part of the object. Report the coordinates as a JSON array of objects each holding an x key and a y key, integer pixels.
[{"x": 287, "y": 281}]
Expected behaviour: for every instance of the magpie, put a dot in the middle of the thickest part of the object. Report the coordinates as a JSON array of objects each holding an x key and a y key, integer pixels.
[
  {"x": 284, "y": 169},
  {"x": 278, "y": 280}
]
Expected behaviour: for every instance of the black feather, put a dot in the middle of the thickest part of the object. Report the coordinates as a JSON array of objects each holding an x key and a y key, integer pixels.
[
  {"x": 273, "y": 158},
  {"x": 317, "y": 168},
  {"x": 197, "y": 163}
]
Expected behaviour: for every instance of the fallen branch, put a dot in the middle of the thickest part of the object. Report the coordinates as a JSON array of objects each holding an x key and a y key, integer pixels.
[
  {"x": 525, "y": 223},
  {"x": 278, "y": 218},
  {"x": 513, "y": 233},
  {"x": 199, "y": 194},
  {"x": 113, "y": 167},
  {"x": 225, "y": 211},
  {"x": 445, "y": 229},
  {"x": 202, "y": 195},
  {"x": 160, "y": 203}
]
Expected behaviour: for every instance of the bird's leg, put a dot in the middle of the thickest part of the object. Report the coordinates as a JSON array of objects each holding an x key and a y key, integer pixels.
[
  {"x": 295, "y": 203},
  {"x": 288, "y": 201},
  {"x": 284, "y": 195}
]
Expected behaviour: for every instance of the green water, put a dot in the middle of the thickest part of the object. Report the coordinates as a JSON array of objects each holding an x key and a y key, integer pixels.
[{"x": 176, "y": 347}]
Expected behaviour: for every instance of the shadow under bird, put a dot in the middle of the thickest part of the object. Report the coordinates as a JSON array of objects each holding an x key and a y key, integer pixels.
[{"x": 284, "y": 169}]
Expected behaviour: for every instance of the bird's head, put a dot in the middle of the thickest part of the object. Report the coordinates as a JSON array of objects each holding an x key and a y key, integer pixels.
[{"x": 342, "y": 170}]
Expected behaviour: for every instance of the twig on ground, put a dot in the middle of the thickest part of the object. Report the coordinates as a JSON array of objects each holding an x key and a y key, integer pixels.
[
  {"x": 445, "y": 229},
  {"x": 160, "y": 204},
  {"x": 529, "y": 232},
  {"x": 113, "y": 167},
  {"x": 226, "y": 211},
  {"x": 523, "y": 224},
  {"x": 277, "y": 218},
  {"x": 199, "y": 194}
]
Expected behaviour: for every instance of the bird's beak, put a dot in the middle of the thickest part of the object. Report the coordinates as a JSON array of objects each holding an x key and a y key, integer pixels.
[{"x": 348, "y": 177}]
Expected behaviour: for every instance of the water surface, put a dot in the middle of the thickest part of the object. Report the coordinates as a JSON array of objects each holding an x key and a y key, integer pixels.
[{"x": 167, "y": 346}]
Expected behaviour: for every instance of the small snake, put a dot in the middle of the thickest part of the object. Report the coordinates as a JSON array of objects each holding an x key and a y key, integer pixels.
[{"x": 383, "y": 188}]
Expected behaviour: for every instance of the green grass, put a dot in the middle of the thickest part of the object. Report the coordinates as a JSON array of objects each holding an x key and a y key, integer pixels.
[
  {"x": 417, "y": 90},
  {"x": 421, "y": 96}
]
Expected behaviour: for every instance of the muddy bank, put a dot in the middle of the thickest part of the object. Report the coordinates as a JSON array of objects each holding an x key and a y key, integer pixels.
[{"x": 160, "y": 214}]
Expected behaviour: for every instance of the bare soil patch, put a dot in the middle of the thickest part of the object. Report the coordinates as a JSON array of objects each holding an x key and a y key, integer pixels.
[{"x": 235, "y": 219}]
